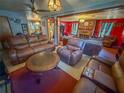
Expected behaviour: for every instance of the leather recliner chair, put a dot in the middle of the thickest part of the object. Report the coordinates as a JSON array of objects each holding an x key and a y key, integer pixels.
[
  {"x": 109, "y": 41},
  {"x": 108, "y": 83},
  {"x": 72, "y": 52}
]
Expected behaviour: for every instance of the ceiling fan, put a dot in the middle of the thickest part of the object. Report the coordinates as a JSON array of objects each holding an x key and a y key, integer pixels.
[{"x": 33, "y": 9}]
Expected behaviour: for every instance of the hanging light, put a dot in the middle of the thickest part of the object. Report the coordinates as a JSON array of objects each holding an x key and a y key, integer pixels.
[
  {"x": 54, "y": 5},
  {"x": 81, "y": 20}
]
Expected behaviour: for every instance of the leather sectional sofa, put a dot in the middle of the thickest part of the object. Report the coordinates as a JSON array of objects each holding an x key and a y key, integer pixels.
[
  {"x": 100, "y": 77},
  {"x": 22, "y": 47}
]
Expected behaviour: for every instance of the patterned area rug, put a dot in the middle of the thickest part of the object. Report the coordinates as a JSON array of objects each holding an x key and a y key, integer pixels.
[{"x": 53, "y": 81}]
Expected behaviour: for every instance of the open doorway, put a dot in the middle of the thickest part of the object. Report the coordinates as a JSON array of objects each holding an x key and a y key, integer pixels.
[{"x": 35, "y": 27}]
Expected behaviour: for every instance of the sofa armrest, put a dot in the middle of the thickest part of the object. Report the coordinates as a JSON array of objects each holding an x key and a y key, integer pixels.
[
  {"x": 105, "y": 61},
  {"x": 13, "y": 56},
  {"x": 50, "y": 42},
  {"x": 75, "y": 57}
]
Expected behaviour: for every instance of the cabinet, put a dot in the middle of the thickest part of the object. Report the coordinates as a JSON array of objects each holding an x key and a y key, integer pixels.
[{"x": 86, "y": 28}]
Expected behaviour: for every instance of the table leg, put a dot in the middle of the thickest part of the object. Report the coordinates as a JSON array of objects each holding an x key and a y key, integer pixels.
[{"x": 38, "y": 80}]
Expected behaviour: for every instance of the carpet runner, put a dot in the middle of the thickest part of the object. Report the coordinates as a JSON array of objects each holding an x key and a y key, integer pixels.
[{"x": 52, "y": 81}]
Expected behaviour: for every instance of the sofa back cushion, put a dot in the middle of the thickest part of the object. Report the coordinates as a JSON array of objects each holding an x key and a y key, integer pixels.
[
  {"x": 42, "y": 38},
  {"x": 76, "y": 42},
  {"x": 18, "y": 40},
  {"x": 32, "y": 39}
]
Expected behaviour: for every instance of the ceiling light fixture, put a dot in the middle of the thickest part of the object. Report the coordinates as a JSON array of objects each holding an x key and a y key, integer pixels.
[
  {"x": 54, "y": 5},
  {"x": 81, "y": 20}
]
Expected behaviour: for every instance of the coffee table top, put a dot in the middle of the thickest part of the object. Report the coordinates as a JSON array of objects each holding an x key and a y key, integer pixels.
[{"x": 42, "y": 61}]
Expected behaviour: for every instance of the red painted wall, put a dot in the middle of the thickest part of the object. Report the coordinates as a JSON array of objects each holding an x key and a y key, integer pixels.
[
  {"x": 68, "y": 27},
  {"x": 117, "y": 30}
]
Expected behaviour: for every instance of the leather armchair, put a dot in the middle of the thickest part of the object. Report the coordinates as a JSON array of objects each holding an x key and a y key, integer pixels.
[
  {"x": 109, "y": 41},
  {"x": 99, "y": 79},
  {"x": 72, "y": 52}
]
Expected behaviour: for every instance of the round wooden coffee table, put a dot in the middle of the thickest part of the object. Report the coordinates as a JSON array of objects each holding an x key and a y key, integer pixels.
[{"x": 42, "y": 62}]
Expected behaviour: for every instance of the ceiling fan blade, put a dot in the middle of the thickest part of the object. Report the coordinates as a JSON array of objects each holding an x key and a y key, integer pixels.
[
  {"x": 36, "y": 13},
  {"x": 32, "y": 1},
  {"x": 26, "y": 10},
  {"x": 41, "y": 10}
]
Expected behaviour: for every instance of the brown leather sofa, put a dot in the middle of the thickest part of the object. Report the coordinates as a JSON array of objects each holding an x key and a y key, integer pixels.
[
  {"x": 100, "y": 77},
  {"x": 22, "y": 47},
  {"x": 72, "y": 52}
]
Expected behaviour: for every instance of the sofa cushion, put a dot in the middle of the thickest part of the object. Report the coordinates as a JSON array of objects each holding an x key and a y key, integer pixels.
[
  {"x": 43, "y": 42},
  {"x": 76, "y": 42},
  {"x": 42, "y": 37},
  {"x": 86, "y": 86},
  {"x": 21, "y": 46},
  {"x": 18, "y": 40},
  {"x": 24, "y": 52},
  {"x": 49, "y": 46},
  {"x": 34, "y": 44},
  {"x": 32, "y": 39},
  {"x": 38, "y": 48}
]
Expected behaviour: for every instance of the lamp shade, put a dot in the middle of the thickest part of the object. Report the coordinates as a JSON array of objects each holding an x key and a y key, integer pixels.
[{"x": 54, "y": 5}]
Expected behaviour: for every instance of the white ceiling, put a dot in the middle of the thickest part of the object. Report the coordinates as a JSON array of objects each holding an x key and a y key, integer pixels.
[{"x": 68, "y": 5}]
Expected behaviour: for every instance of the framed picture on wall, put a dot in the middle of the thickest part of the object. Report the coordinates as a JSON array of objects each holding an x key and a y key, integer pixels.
[{"x": 24, "y": 28}]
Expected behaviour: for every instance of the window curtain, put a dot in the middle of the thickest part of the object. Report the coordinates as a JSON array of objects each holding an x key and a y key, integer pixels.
[
  {"x": 105, "y": 30},
  {"x": 74, "y": 28}
]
